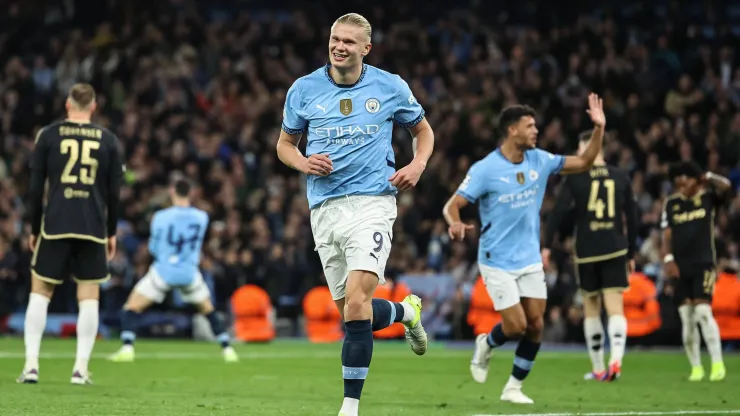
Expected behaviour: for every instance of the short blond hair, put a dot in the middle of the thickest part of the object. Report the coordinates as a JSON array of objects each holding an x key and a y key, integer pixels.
[
  {"x": 81, "y": 96},
  {"x": 358, "y": 20}
]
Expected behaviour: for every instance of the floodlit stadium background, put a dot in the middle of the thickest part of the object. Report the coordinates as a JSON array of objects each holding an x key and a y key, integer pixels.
[{"x": 199, "y": 87}]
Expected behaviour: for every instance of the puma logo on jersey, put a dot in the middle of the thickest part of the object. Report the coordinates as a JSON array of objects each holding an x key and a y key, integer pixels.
[{"x": 321, "y": 108}]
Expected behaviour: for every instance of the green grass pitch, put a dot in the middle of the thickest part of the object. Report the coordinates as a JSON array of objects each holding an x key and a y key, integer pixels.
[{"x": 296, "y": 378}]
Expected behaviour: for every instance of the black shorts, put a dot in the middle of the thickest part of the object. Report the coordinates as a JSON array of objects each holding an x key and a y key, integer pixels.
[
  {"x": 603, "y": 275},
  {"x": 696, "y": 281},
  {"x": 83, "y": 260}
]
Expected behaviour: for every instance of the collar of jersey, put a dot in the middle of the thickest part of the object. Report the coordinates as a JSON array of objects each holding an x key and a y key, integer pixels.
[
  {"x": 328, "y": 76},
  {"x": 506, "y": 159}
]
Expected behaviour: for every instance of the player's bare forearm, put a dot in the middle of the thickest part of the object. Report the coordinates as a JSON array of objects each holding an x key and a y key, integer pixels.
[
  {"x": 719, "y": 182},
  {"x": 665, "y": 246},
  {"x": 451, "y": 210},
  {"x": 594, "y": 146},
  {"x": 288, "y": 153},
  {"x": 423, "y": 142},
  {"x": 670, "y": 267},
  {"x": 582, "y": 163},
  {"x": 408, "y": 176}
]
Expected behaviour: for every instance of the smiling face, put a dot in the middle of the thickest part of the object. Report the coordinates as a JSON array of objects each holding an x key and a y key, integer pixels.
[{"x": 348, "y": 45}]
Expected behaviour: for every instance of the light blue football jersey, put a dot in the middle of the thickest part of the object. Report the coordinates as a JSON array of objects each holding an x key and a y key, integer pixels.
[
  {"x": 177, "y": 235},
  {"x": 353, "y": 125},
  {"x": 510, "y": 198}
]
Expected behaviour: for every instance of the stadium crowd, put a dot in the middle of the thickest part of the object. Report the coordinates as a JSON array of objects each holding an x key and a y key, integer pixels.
[{"x": 200, "y": 89}]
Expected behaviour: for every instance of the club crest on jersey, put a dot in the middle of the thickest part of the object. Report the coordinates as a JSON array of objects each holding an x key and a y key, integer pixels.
[
  {"x": 345, "y": 106},
  {"x": 520, "y": 178},
  {"x": 533, "y": 175},
  {"x": 372, "y": 105}
]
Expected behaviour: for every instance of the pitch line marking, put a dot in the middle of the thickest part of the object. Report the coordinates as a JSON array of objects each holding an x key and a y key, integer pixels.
[
  {"x": 677, "y": 412},
  {"x": 164, "y": 355}
]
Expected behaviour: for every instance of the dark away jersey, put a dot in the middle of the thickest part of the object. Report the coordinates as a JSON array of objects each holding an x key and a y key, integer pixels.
[
  {"x": 81, "y": 163},
  {"x": 603, "y": 203},
  {"x": 691, "y": 221}
]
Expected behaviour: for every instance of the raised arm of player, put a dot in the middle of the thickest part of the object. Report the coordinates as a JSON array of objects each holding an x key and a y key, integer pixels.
[
  {"x": 582, "y": 163},
  {"x": 294, "y": 124},
  {"x": 36, "y": 188},
  {"x": 718, "y": 182},
  {"x": 669, "y": 263},
  {"x": 562, "y": 206}
]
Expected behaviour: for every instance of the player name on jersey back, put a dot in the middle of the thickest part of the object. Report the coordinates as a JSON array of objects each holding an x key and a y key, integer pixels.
[
  {"x": 353, "y": 126},
  {"x": 691, "y": 221},
  {"x": 83, "y": 170},
  {"x": 177, "y": 235},
  {"x": 603, "y": 200}
]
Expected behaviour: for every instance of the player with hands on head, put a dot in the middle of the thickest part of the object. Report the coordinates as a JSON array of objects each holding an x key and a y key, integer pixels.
[{"x": 690, "y": 260}]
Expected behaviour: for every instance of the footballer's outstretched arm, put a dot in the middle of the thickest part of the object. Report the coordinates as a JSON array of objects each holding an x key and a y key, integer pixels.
[{"x": 582, "y": 163}]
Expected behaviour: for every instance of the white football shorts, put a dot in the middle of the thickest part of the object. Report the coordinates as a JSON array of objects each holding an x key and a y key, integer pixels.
[
  {"x": 506, "y": 287},
  {"x": 353, "y": 233},
  {"x": 154, "y": 288}
]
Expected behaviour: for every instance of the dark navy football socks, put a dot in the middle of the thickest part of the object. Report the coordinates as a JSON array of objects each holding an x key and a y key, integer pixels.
[
  {"x": 526, "y": 352},
  {"x": 496, "y": 337},
  {"x": 129, "y": 322},
  {"x": 386, "y": 313},
  {"x": 357, "y": 352},
  {"x": 218, "y": 329}
]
